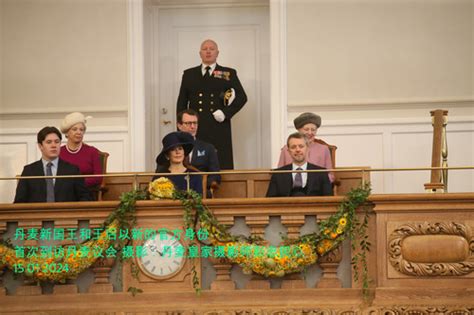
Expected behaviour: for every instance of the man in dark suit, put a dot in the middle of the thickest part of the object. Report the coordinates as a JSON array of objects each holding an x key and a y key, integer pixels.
[
  {"x": 299, "y": 183},
  {"x": 51, "y": 190},
  {"x": 203, "y": 156},
  {"x": 216, "y": 94}
]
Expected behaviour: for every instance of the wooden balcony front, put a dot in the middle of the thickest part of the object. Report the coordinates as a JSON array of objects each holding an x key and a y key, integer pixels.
[{"x": 421, "y": 261}]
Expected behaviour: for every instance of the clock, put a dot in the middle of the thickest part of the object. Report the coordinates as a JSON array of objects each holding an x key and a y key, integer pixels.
[
  {"x": 163, "y": 265},
  {"x": 163, "y": 258}
]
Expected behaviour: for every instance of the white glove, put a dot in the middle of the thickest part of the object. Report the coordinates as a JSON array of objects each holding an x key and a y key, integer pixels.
[{"x": 219, "y": 116}]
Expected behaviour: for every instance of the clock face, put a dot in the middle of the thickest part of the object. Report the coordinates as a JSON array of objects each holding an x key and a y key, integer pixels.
[{"x": 161, "y": 260}]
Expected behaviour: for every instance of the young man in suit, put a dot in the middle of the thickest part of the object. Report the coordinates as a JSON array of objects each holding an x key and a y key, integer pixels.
[
  {"x": 216, "y": 94},
  {"x": 299, "y": 184},
  {"x": 203, "y": 156},
  {"x": 51, "y": 190}
]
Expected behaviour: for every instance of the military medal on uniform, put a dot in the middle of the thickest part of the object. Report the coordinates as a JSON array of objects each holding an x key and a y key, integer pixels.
[{"x": 218, "y": 74}]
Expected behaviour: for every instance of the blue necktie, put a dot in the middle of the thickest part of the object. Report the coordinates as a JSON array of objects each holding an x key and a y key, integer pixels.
[{"x": 49, "y": 184}]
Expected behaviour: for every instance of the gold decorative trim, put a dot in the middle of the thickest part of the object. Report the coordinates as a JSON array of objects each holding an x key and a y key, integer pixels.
[
  {"x": 424, "y": 310},
  {"x": 374, "y": 310},
  {"x": 430, "y": 269}
]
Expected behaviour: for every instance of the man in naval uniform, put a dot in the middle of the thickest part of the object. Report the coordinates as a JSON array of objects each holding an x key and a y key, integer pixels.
[{"x": 216, "y": 94}]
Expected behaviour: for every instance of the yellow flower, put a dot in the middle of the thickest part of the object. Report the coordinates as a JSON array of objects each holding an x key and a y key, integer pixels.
[
  {"x": 342, "y": 221},
  {"x": 270, "y": 263},
  {"x": 326, "y": 244},
  {"x": 161, "y": 188},
  {"x": 280, "y": 273}
]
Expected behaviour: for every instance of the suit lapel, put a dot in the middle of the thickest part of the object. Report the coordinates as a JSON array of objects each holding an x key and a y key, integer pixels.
[
  {"x": 193, "y": 157},
  {"x": 310, "y": 178},
  {"x": 58, "y": 182},
  {"x": 40, "y": 172},
  {"x": 288, "y": 180},
  {"x": 39, "y": 168}
]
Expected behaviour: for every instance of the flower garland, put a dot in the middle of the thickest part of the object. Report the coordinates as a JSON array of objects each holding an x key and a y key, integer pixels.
[
  {"x": 294, "y": 255},
  {"x": 57, "y": 269},
  {"x": 78, "y": 257},
  {"x": 251, "y": 253}
]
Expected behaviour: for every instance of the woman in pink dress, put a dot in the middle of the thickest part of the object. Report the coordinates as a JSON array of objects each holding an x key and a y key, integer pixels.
[
  {"x": 318, "y": 154},
  {"x": 76, "y": 152}
]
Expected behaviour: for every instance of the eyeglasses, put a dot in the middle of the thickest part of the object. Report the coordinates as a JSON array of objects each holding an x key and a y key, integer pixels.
[{"x": 190, "y": 123}]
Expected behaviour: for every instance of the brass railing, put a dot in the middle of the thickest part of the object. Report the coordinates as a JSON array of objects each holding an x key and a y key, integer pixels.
[{"x": 363, "y": 171}]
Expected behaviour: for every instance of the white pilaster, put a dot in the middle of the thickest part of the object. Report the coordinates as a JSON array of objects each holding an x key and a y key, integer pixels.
[
  {"x": 278, "y": 88},
  {"x": 136, "y": 111}
]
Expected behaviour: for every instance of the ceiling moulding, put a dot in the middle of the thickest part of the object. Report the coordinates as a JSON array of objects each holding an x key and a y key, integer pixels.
[
  {"x": 383, "y": 103},
  {"x": 60, "y": 112},
  {"x": 207, "y": 3}
]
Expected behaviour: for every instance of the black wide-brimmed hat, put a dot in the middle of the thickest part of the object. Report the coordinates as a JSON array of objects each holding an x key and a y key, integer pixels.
[{"x": 174, "y": 139}]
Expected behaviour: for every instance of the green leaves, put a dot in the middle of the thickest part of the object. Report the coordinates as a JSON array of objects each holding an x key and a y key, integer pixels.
[
  {"x": 344, "y": 223},
  {"x": 134, "y": 290}
]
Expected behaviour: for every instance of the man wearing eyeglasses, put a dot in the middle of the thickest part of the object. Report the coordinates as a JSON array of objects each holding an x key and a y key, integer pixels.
[{"x": 203, "y": 156}]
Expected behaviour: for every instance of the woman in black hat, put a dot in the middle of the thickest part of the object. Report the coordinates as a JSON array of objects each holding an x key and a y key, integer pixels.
[{"x": 176, "y": 147}]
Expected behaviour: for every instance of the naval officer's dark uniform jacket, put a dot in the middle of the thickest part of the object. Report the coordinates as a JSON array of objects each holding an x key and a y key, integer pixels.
[{"x": 206, "y": 95}]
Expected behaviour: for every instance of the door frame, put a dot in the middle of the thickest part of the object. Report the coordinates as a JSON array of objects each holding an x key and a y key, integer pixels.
[{"x": 138, "y": 139}]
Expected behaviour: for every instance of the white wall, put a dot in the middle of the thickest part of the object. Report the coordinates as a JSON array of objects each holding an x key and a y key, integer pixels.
[
  {"x": 56, "y": 57},
  {"x": 401, "y": 143},
  {"x": 378, "y": 51},
  {"x": 59, "y": 54},
  {"x": 373, "y": 70}
]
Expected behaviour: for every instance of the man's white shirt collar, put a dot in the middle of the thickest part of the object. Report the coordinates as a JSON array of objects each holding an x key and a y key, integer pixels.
[
  {"x": 303, "y": 167},
  {"x": 54, "y": 162}
]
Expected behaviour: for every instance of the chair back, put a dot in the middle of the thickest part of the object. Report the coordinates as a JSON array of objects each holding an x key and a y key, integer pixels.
[
  {"x": 101, "y": 189},
  {"x": 332, "y": 150}
]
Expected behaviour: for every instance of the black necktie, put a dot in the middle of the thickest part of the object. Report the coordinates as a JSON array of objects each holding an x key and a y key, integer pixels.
[
  {"x": 298, "y": 183},
  {"x": 207, "y": 74},
  {"x": 49, "y": 184}
]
